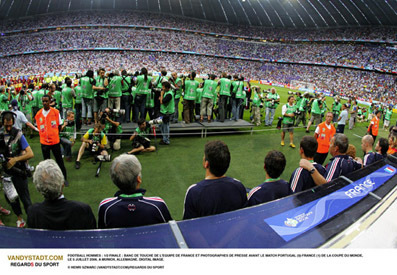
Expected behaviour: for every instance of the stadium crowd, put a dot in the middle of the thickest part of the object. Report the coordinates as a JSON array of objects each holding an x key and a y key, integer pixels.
[
  {"x": 365, "y": 85},
  {"x": 363, "y": 56},
  {"x": 124, "y": 18}
]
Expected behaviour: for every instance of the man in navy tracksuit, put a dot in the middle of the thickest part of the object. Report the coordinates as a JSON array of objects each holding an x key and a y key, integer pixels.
[
  {"x": 216, "y": 193},
  {"x": 273, "y": 188},
  {"x": 367, "y": 143},
  {"x": 340, "y": 165},
  {"x": 301, "y": 179},
  {"x": 129, "y": 208}
]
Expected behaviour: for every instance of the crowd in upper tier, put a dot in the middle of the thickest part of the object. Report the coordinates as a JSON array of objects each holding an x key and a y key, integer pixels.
[{"x": 371, "y": 57}]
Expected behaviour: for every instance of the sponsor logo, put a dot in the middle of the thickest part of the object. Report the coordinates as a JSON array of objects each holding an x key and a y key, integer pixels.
[
  {"x": 291, "y": 222},
  {"x": 131, "y": 207}
]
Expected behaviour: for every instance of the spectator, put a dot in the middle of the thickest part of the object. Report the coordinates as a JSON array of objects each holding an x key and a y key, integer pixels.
[
  {"x": 382, "y": 146},
  {"x": 129, "y": 208},
  {"x": 56, "y": 212},
  {"x": 217, "y": 193},
  {"x": 272, "y": 101}
]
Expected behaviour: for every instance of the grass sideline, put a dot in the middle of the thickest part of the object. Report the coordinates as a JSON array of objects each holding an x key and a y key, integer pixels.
[{"x": 168, "y": 172}]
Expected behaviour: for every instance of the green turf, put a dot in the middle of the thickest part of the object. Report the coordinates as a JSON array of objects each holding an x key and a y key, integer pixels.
[{"x": 172, "y": 169}]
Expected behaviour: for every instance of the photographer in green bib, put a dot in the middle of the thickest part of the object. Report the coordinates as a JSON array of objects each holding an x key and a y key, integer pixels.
[
  {"x": 126, "y": 96},
  {"x": 207, "y": 99},
  {"x": 288, "y": 113},
  {"x": 87, "y": 95},
  {"x": 237, "y": 96},
  {"x": 115, "y": 90},
  {"x": 112, "y": 128},
  {"x": 225, "y": 85},
  {"x": 302, "y": 105},
  {"x": 190, "y": 87},
  {"x": 157, "y": 87},
  {"x": 317, "y": 105},
  {"x": 167, "y": 108},
  {"x": 176, "y": 85},
  {"x": 336, "y": 108},
  {"x": 272, "y": 100},
  {"x": 143, "y": 89},
  {"x": 68, "y": 94},
  {"x": 100, "y": 93},
  {"x": 68, "y": 135}
]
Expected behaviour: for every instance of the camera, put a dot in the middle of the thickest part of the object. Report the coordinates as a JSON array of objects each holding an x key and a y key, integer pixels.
[
  {"x": 158, "y": 120},
  {"x": 95, "y": 147},
  {"x": 297, "y": 112},
  {"x": 70, "y": 123},
  {"x": 103, "y": 157}
]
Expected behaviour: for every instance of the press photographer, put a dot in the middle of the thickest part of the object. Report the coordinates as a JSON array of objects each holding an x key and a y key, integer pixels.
[
  {"x": 112, "y": 128},
  {"x": 14, "y": 152},
  {"x": 140, "y": 138},
  {"x": 100, "y": 93},
  {"x": 95, "y": 141}
]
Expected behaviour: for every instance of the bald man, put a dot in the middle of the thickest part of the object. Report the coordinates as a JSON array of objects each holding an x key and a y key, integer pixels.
[{"x": 367, "y": 143}]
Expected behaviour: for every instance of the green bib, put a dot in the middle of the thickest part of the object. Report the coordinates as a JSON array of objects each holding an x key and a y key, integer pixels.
[{"x": 191, "y": 89}]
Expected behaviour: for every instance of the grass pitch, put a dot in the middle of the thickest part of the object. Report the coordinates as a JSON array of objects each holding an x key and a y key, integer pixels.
[{"x": 168, "y": 172}]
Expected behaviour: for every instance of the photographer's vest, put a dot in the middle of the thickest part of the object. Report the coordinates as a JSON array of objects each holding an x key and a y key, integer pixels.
[
  {"x": 315, "y": 107},
  {"x": 115, "y": 86},
  {"x": 68, "y": 132},
  {"x": 40, "y": 94},
  {"x": 274, "y": 97},
  {"x": 125, "y": 88},
  {"x": 78, "y": 92},
  {"x": 199, "y": 93},
  {"x": 3, "y": 102},
  {"x": 100, "y": 82},
  {"x": 142, "y": 85},
  {"x": 150, "y": 100},
  {"x": 303, "y": 105},
  {"x": 290, "y": 110},
  {"x": 224, "y": 89},
  {"x": 67, "y": 98},
  {"x": 256, "y": 101},
  {"x": 178, "y": 92},
  {"x": 169, "y": 107},
  {"x": 324, "y": 137},
  {"x": 48, "y": 126},
  {"x": 86, "y": 87},
  {"x": 336, "y": 108},
  {"x": 209, "y": 88},
  {"x": 95, "y": 138},
  {"x": 159, "y": 81},
  {"x": 388, "y": 114},
  {"x": 190, "y": 89},
  {"x": 238, "y": 88},
  {"x": 34, "y": 101}
]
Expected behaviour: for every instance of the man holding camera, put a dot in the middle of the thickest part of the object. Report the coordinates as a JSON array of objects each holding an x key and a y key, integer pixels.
[
  {"x": 15, "y": 151},
  {"x": 224, "y": 95},
  {"x": 176, "y": 84},
  {"x": 87, "y": 94},
  {"x": 302, "y": 108},
  {"x": 272, "y": 101},
  {"x": 68, "y": 135},
  {"x": 115, "y": 90},
  {"x": 140, "y": 140},
  {"x": 190, "y": 86},
  {"x": 100, "y": 93},
  {"x": 167, "y": 108},
  {"x": 95, "y": 141},
  {"x": 288, "y": 113},
  {"x": 256, "y": 106},
  {"x": 112, "y": 128}
]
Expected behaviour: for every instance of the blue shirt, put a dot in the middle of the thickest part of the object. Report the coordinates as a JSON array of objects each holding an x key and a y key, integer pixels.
[
  {"x": 341, "y": 165},
  {"x": 371, "y": 157},
  {"x": 210, "y": 197},
  {"x": 131, "y": 210},
  {"x": 268, "y": 191},
  {"x": 302, "y": 180}
]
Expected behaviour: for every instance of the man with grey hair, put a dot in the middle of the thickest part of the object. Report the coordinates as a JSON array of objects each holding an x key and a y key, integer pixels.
[
  {"x": 340, "y": 165},
  {"x": 128, "y": 207},
  {"x": 56, "y": 212}
]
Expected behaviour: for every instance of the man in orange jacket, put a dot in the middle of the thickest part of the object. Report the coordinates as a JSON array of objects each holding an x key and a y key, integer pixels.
[
  {"x": 48, "y": 122},
  {"x": 324, "y": 132},
  {"x": 373, "y": 127}
]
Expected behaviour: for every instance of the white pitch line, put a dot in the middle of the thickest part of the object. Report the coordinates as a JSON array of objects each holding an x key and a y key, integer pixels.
[{"x": 357, "y": 136}]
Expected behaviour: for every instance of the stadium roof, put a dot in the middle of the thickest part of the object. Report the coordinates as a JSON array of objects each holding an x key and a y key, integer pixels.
[{"x": 267, "y": 13}]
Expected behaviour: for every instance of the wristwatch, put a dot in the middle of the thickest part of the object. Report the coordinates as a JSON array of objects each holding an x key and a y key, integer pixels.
[{"x": 311, "y": 171}]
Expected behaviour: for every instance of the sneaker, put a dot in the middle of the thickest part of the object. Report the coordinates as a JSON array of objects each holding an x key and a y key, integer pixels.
[
  {"x": 163, "y": 143},
  {"x": 1, "y": 223},
  {"x": 292, "y": 145},
  {"x": 77, "y": 165},
  {"x": 4, "y": 211},
  {"x": 282, "y": 143},
  {"x": 20, "y": 223}
]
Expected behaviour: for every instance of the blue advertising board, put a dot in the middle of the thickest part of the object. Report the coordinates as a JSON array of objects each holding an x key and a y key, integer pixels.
[{"x": 295, "y": 222}]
